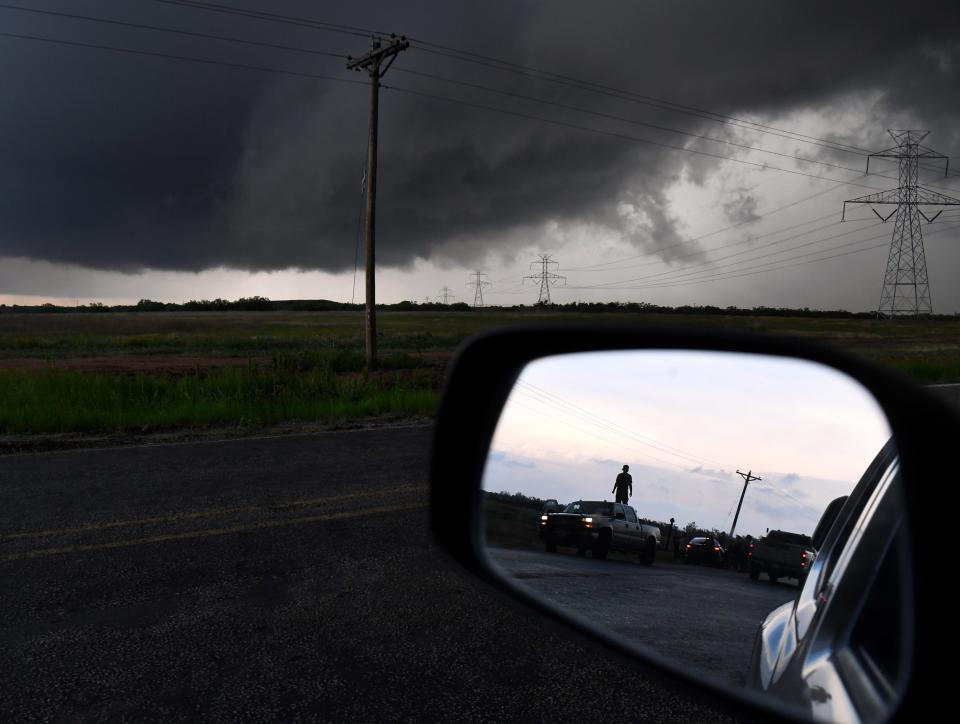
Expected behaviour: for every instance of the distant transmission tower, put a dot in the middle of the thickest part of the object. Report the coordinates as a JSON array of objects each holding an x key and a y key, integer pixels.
[
  {"x": 906, "y": 288},
  {"x": 479, "y": 284},
  {"x": 546, "y": 277},
  {"x": 446, "y": 296}
]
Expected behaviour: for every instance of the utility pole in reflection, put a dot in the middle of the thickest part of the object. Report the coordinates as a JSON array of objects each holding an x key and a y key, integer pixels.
[
  {"x": 372, "y": 62},
  {"x": 748, "y": 477}
]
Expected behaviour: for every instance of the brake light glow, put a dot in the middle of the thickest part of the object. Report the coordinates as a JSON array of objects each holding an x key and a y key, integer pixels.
[{"x": 716, "y": 548}]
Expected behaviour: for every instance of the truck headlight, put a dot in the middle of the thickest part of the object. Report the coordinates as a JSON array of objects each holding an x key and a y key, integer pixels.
[{"x": 588, "y": 520}]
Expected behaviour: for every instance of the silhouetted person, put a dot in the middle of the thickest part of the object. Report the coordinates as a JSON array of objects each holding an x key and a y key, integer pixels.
[{"x": 624, "y": 486}]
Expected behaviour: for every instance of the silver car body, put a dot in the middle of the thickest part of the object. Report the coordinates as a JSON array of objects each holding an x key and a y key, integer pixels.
[{"x": 813, "y": 653}]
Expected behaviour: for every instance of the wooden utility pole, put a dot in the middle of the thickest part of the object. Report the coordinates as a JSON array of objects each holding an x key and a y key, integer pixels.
[
  {"x": 748, "y": 477},
  {"x": 371, "y": 62}
]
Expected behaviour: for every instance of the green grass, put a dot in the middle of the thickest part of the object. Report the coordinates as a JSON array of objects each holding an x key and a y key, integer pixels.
[
  {"x": 309, "y": 365},
  {"x": 63, "y": 401},
  {"x": 263, "y": 334}
]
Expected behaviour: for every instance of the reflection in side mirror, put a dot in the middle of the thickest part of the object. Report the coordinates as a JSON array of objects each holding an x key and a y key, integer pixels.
[{"x": 738, "y": 504}]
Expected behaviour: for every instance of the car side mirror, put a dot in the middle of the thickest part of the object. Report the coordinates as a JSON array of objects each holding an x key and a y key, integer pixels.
[{"x": 725, "y": 433}]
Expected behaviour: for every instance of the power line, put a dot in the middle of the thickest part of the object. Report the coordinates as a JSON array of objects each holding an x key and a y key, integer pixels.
[
  {"x": 774, "y": 268},
  {"x": 748, "y": 240},
  {"x": 593, "y": 267},
  {"x": 711, "y": 265},
  {"x": 274, "y": 17},
  {"x": 708, "y": 275},
  {"x": 644, "y": 453},
  {"x": 619, "y": 93},
  {"x": 632, "y": 121},
  {"x": 741, "y": 242},
  {"x": 624, "y": 119},
  {"x": 175, "y": 31},
  {"x": 409, "y": 91},
  {"x": 572, "y": 408},
  {"x": 185, "y": 58},
  {"x": 500, "y": 64},
  {"x": 615, "y": 134},
  {"x": 505, "y": 65}
]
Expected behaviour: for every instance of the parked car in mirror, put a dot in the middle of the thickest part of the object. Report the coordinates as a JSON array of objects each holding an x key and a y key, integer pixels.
[
  {"x": 702, "y": 550},
  {"x": 782, "y": 555}
]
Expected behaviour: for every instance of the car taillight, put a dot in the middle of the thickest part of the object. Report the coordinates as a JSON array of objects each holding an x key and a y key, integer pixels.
[
  {"x": 803, "y": 559},
  {"x": 689, "y": 546},
  {"x": 716, "y": 549}
]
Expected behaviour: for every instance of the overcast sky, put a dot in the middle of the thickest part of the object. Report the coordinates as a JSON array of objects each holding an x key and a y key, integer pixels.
[
  {"x": 685, "y": 422},
  {"x": 128, "y": 176}
]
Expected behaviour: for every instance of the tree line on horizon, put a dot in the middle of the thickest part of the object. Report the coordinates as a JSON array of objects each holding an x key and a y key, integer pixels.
[{"x": 263, "y": 304}]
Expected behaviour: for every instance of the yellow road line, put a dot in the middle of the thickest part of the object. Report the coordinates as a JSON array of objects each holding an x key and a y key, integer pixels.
[
  {"x": 174, "y": 517},
  {"x": 209, "y": 532}
]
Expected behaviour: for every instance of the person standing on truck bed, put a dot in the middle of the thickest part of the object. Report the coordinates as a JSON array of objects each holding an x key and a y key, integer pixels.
[{"x": 623, "y": 487}]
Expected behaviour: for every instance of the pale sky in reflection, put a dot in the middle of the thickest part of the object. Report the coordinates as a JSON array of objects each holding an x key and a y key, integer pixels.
[{"x": 685, "y": 421}]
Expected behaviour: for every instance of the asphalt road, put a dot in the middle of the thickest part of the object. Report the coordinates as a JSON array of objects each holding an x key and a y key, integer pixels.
[
  {"x": 275, "y": 579},
  {"x": 704, "y": 617}
]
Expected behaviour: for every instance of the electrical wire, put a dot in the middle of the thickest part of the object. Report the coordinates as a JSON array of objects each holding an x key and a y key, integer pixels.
[
  {"x": 884, "y": 244},
  {"x": 572, "y": 408},
  {"x": 505, "y": 65},
  {"x": 274, "y": 17},
  {"x": 711, "y": 265},
  {"x": 614, "y": 134},
  {"x": 185, "y": 58},
  {"x": 175, "y": 31}
]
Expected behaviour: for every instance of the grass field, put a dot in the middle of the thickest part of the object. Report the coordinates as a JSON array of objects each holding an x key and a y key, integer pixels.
[{"x": 96, "y": 372}]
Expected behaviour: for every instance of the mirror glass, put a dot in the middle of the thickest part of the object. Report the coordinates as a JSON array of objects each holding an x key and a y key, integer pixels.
[{"x": 671, "y": 499}]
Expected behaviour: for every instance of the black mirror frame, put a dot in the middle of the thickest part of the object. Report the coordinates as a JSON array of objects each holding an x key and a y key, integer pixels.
[{"x": 484, "y": 371}]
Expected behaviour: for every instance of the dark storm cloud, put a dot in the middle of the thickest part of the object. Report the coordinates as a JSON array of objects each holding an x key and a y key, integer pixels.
[{"x": 123, "y": 162}]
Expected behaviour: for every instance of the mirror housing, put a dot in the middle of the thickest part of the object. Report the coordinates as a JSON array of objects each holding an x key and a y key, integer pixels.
[{"x": 482, "y": 375}]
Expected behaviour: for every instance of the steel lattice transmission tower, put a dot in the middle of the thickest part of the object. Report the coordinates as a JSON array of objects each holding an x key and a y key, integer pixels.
[
  {"x": 546, "y": 277},
  {"x": 906, "y": 287},
  {"x": 478, "y": 283},
  {"x": 446, "y": 296}
]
